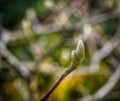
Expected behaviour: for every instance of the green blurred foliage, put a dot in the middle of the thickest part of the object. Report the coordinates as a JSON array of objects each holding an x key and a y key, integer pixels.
[
  {"x": 108, "y": 29},
  {"x": 98, "y": 82},
  {"x": 43, "y": 80},
  {"x": 8, "y": 92},
  {"x": 13, "y": 11},
  {"x": 21, "y": 49}
]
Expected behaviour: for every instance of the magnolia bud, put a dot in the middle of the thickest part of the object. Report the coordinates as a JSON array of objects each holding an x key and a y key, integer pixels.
[
  {"x": 78, "y": 55},
  {"x": 80, "y": 51}
]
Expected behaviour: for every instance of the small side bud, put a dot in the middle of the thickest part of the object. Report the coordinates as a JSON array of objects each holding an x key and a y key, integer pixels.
[{"x": 73, "y": 55}]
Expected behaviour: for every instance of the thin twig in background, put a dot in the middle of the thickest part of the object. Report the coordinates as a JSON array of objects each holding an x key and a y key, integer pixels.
[
  {"x": 97, "y": 19},
  {"x": 50, "y": 52},
  {"x": 103, "y": 91},
  {"x": 54, "y": 27},
  {"x": 23, "y": 72},
  {"x": 109, "y": 85},
  {"x": 106, "y": 49}
]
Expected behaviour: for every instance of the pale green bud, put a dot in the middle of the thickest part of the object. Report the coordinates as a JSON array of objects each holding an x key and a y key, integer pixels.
[
  {"x": 78, "y": 55},
  {"x": 80, "y": 51}
]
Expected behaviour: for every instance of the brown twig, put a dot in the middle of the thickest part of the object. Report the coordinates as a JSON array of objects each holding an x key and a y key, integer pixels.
[
  {"x": 58, "y": 81},
  {"x": 77, "y": 57}
]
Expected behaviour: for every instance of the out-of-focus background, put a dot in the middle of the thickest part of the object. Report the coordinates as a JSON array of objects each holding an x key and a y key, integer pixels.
[{"x": 36, "y": 40}]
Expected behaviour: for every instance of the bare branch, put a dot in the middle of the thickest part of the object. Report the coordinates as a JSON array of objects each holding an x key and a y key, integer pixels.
[
  {"x": 55, "y": 27},
  {"x": 21, "y": 70},
  {"x": 105, "y": 89},
  {"x": 109, "y": 85},
  {"x": 77, "y": 57},
  {"x": 104, "y": 51},
  {"x": 97, "y": 19}
]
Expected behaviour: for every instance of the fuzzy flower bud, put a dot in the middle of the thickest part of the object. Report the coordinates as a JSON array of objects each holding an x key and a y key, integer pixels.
[
  {"x": 80, "y": 51},
  {"x": 78, "y": 55}
]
